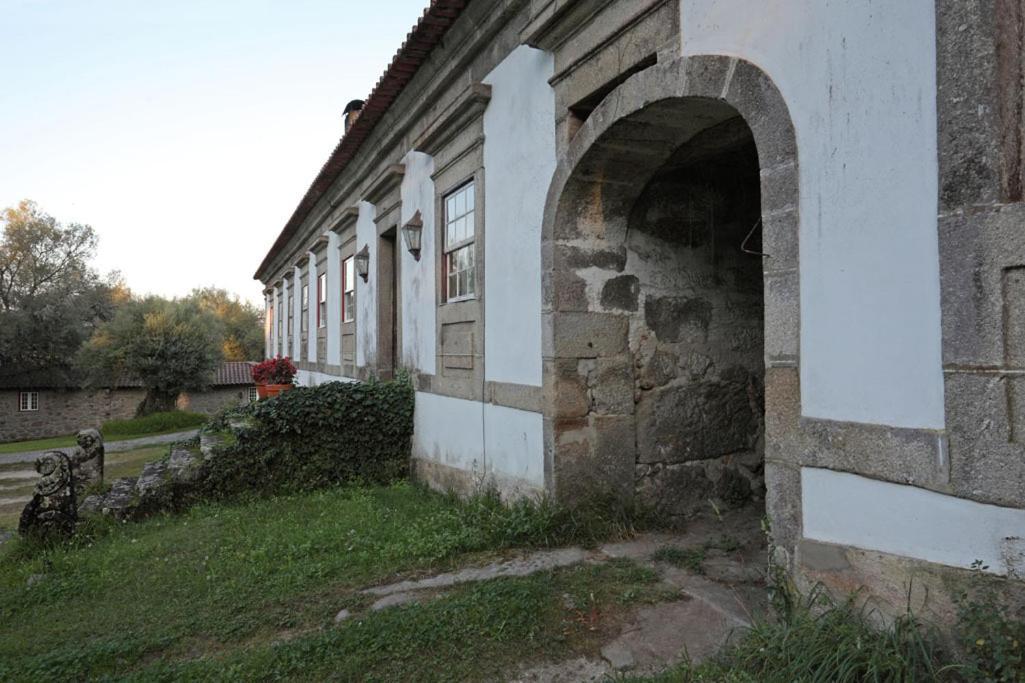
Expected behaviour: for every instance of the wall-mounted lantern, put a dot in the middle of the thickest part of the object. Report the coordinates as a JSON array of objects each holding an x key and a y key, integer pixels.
[
  {"x": 362, "y": 262},
  {"x": 412, "y": 234}
]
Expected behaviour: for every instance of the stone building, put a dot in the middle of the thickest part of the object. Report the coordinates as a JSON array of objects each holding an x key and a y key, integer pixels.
[
  {"x": 41, "y": 404},
  {"x": 678, "y": 250}
]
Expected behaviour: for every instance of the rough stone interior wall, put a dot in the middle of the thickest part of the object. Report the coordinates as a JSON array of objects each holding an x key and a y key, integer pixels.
[
  {"x": 65, "y": 412},
  {"x": 696, "y": 321}
]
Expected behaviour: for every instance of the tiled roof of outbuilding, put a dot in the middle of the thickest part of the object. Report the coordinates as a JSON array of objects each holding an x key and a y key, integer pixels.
[
  {"x": 233, "y": 373},
  {"x": 427, "y": 33}
]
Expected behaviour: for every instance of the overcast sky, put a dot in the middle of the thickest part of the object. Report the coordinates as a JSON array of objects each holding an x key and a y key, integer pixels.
[{"x": 185, "y": 132}]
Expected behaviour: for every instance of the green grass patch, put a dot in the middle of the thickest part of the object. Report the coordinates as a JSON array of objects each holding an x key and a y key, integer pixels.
[
  {"x": 157, "y": 423},
  {"x": 818, "y": 641},
  {"x": 484, "y": 631},
  {"x": 684, "y": 558},
  {"x": 221, "y": 576},
  {"x": 118, "y": 430}
]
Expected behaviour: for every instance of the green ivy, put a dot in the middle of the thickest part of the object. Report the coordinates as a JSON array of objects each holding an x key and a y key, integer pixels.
[{"x": 310, "y": 438}]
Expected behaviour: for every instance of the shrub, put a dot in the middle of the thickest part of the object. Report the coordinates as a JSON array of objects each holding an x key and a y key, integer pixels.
[
  {"x": 174, "y": 420},
  {"x": 310, "y": 438},
  {"x": 992, "y": 638},
  {"x": 275, "y": 370}
]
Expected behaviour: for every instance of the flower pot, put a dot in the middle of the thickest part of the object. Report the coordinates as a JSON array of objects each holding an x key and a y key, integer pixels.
[{"x": 271, "y": 390}]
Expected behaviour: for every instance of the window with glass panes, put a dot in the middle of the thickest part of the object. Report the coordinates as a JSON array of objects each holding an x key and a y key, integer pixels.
[
  {"x": 322, "y": 300},
  {"x": 459, "y": 235},
  {"x": 304, "y": 322},
  {"x": 288, "y": 307},
  {"x": 28, "y": 401},
  {"x": 348, "y": 291}
]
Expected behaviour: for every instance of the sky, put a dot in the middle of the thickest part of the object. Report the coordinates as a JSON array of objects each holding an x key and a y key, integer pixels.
[{"x": 185, "y": 132}]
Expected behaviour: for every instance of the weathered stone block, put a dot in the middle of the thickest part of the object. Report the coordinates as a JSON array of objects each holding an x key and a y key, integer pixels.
[
  {"x": 757, "y": 99},
  {"x": 782, "y": 316},
  {"x": 783, "y": 503},
  {"x": 779, "y": 189},
  {"x": 706, "y": 76},
  {"x": 621, "y": 293},
  {"x": 967, "y": 99},
  {"x": 565, "y": 389},
  {"x": 589, "y": 335},
  {"x": 669, "y": 316},
  {"x": 979, "y": 253},
  {"x": 615, "y": 446},
  {"x": 780, "y": 241},
  {"x": 985, "y": 464},
  {"x": 658, "y": 369},
  {"x": 612, "y": 386},
  {"x": 695, "y": 421}
]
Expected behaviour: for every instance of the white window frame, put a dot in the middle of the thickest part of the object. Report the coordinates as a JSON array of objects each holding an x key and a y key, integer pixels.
[
  {"x": 28, "y": 401},
  {"x": 322, "y": 301},
  {"x": 254, "y": 396},
  {"x": 348, "y": 290},
  {"x": 460, "y": 226}
]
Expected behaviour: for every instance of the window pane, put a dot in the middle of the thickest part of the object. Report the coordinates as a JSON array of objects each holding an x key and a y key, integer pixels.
[{"x": 469, "y": 197}]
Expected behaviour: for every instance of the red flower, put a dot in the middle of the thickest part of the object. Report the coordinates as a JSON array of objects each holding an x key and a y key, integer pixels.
[{"x": 275, "y": 370}]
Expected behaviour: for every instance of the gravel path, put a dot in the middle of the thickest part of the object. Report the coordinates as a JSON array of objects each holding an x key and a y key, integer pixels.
[{"x": 109, "y": 447}]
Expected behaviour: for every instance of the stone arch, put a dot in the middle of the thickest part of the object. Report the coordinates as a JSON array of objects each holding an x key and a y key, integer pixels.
[{"x": 606, "y": 167}]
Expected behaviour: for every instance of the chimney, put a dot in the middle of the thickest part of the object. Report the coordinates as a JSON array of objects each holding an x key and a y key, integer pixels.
[{"x": 351, "y": 113}]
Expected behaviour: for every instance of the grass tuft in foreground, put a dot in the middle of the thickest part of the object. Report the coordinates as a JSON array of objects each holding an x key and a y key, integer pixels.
[{"x": 818, "y": 641}]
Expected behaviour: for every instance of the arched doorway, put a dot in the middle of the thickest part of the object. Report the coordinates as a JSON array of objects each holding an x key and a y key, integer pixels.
[{"x": 662, "y": 313}]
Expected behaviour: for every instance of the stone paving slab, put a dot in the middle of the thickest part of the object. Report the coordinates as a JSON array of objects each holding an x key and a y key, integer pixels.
[
  {"x": 521, "y": 566},
  {"x": 108, "y": 447}
]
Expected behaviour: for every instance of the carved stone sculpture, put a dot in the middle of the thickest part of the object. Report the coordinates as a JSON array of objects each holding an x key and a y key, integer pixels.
[
  {"x": 52, "y": 510},
  {"x": 87, "y": 461}
]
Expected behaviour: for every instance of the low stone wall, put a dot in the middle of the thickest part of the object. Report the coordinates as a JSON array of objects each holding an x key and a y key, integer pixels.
[
  {"x": 65, "y": 412},
  {"x": 215, "y": 400}
]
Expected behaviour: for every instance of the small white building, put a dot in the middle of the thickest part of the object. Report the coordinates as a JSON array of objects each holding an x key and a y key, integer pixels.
[{"x": 676, "y": 250}]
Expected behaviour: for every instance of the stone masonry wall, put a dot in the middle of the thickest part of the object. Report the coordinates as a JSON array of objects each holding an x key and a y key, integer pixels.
[
  {"x": 214, "y": 400},
  {"x": 65, "y": 412},
  {"x": 696, "y": 328}
]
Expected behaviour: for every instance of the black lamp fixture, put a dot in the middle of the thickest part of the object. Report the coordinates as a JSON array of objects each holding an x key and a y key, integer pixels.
[
  {"x": 362, "y": 262},
  {"x": 412, "y": 234}
]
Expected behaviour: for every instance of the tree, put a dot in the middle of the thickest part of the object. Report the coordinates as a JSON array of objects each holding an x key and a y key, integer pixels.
[
  {"x": 50, "y": 299},
  {"x": 241, "y": 330},
  {"x": 171, "y": 346}
]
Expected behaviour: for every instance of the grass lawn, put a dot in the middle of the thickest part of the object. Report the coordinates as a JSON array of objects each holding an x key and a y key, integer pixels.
[
  {"x": 117, "y": 430},
  {"x": 252, "y": 589},
  {"x": 17, "y": 480}
]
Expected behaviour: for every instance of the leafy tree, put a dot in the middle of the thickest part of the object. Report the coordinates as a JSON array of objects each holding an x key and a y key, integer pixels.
[
  {"x": 50, "y": 299},
  {"x": 241, "y": 330},
  {"x": 171, "y": 346}
]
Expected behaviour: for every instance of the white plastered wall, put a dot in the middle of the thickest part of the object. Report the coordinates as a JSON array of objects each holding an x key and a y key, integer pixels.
[
  {"x": 458, "y": 433},
  {"x": 366, "y": 292},
  {"x": 519, "y": 160},
  {"x": 859, "y": 78},
  {"x": 847, "y": 509},
  {"x": 297, "y": 312},
  {"x": 311, "y": 314},
  {"x": 418, "y": 304},
  {"x": 334, "y": 312},
  {"x": 276, "y": 303}
]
